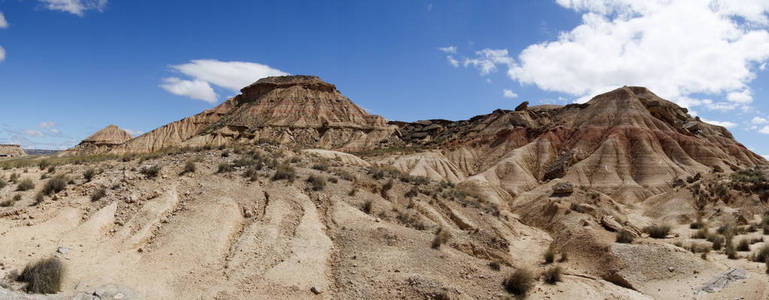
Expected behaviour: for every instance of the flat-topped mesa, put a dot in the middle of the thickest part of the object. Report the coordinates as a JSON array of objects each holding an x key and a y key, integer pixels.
[
  {"x": 300, "y": 110},
  {"x": 11, "y": 151}
]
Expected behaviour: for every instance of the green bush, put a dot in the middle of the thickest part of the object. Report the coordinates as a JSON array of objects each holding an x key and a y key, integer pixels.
[
  {"x": 25, "y": 185},
  {"x": 519, "y": 282},
  {"x": 56, "y": 184},
  {"x": 44, "y": 276}
]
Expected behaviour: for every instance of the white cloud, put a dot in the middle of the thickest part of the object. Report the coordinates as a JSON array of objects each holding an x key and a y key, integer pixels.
[
  {"x": 2, "y": 53},
  {"x": 742, "y": 97},
  {"x": 48, "y": 124},
  {"x": 764, "y": 130},
  {"x": 3, "y": 21},
  {"x": 726, "y": 124},
  {"x": 487, "y": 60},
  {"x": 195, "y": 89},
  {"x": 759, "y": 121},
  {"x": 232, "y": 75},
  {"x": 449, "y": 49},
  {"x": 32, "y": 132},
  {"x": 452, "y": 61},
  {"x": 675, "y": 48},
  {"x": 509, "y": 94},
  {"x": 76, "y": 7}
]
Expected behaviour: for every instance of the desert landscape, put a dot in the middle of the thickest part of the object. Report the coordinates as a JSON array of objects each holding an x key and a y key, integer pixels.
[{"x": 290, "y": 190}]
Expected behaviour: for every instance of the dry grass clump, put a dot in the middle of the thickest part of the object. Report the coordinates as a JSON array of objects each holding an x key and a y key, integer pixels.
[
  {"x": 702, "y": 233},
  {"x": 368, "y": 206},
  {"x": 625, "y": 237},
  {"x": 494, "y": 265},
  {"x": 99, "y": 194},
  {"x": 519, "y": 282},
  {"x": 151, "y": 172},
  {"x": 56, "y": 184},
  {"x": 762, "y": 255},
  {"x": 2, "y": 183},
  {"x": 441, "y": 237},
  {"x": 89, "y": 174},
  {"x": 552, "y": 275},
  {"x": 321, "y": 166},
  {"x": 549, "y": 255},
  {"x": 658, "y": 231},
  {"x": 317, "y": 182},
  {"x": 44, "y": 276},
  {"x": 26, "y": 184},
  {"x": 285, "y": 172},
  {"x": 189, "y": 167},
  {"x": 731, "y": 253},
  {"x": 743, "y": 245}
]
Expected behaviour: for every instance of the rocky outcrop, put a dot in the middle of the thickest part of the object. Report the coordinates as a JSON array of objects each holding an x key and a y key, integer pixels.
[
  {"x": 102, "y": 141},
  {"x": 298, "y": 110},
  {"x": 10, "y": 151}
]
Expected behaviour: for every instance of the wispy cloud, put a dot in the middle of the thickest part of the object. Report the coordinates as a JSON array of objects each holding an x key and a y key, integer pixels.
[
  {"x": 231, "y": 75},
  {"x": 509, "y": 94},
  {"x": 75, "y": 7},
  {"x": 726, "y": 124},
  {"x": 448, "y": 49},
  {"x": 3, "y": 21}
]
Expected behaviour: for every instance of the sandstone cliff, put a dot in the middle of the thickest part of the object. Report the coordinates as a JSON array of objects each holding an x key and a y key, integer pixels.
[
  {"x": 299, "y": 110},
  {"x": 101, "y": 141},
  {"x": 8, "y": 151}
]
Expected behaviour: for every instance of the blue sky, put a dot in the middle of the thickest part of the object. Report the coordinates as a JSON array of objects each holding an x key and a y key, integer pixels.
[{"x": 71, "y": 67}]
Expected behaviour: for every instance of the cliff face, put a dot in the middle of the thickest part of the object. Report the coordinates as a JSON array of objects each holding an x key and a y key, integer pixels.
[
  {"x": 301, "y": 110},
  {"x": 10, "y": 151},
  {"x": 627, "y": 137}
]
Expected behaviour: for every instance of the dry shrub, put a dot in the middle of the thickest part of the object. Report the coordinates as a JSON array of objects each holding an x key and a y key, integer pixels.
[
  {"x": 44, "y": 276},
  {"x": 519, "y": 282},
  {"x": 552, "y": 275}
]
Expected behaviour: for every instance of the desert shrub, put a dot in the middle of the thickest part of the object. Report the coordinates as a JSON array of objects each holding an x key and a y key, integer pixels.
[
  {"x": 762, "y": 255},
  {"x": 731, "y": 253},
  {"x": 317, "y": 182},
  {"x": 56, "y": 184},
  {"x": 564, "y": 257},
  {"x": 284, "y": 172},
  {"x": 44, "y": 276},
  {"x": 367, "y": 206},
  {"x": 387, "y": 186},
  {"x": 252, "y": 173},
  {"x": 441, "y": 237},
  {"x": 756, "y": 240},
  {"x": 549, "y": 255},
  {"x": 189, "y": 167},
  {"x": 413, "y": 192},
  {"x": 150, "y": 172},
  {"x": 625, "y": 237},
  {"x": 699, "y": 248},
  {"x": 658, "y": 231},
  {"x": 552, "y": 275},
  {"x": 698, "y": 224},
  {"x": 25, "y": 185},
  {"x": 702, "y": 233},
  {"x": 43, "y": 164},
  {"x": 718, "y": 241},
  {"x": 377, "y": 174},
  {"x": 15, "y": 177},
  {"x": 225, "y": 168},
  {"x": 743, "y": 245},
  {"x": 345, "y": 175},
  {"x": 333, "y": 180},
  {"x": 2, "y": 183},
  {"x": 89, "y": 174},
  {"x": 519, "y": 282},
  {"x": 52, "y": 169},
  {"x": 749, "y": 176},
  {"x": 39, "y": 197},
  {"x": 320, "y": 167},
  {"x": 411, "y": 220},
  {"x": 494, "y": 265},
  {"x": 98, "y": 194}
]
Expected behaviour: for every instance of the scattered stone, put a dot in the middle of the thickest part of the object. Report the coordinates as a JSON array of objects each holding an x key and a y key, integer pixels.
[
  {"x": 62, "y": 250},
  {"x": 563, "y": 189},
  {"x": 316, "y": 290}
]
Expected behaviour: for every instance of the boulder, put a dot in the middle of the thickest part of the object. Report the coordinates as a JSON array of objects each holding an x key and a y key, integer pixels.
[{"x": 563, "y": 189}]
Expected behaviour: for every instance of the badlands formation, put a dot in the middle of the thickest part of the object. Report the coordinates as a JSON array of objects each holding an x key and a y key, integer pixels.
[{"x": 290, "y": 190}]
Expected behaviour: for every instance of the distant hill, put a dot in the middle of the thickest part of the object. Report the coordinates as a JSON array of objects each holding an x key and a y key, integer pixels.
[{"x": 40, "y": 151}]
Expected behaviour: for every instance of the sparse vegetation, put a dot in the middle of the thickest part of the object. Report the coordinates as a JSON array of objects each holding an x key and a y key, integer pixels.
[
  {"x": 718, "y": 241},
  {"x": 743, "y": 245},
  {"x": 189, "y": 167},
  {"x": 317, "y": 182},
  {"x": 151, "y": 171},
  {"x": 44, "y": 276},
  {"x": 39, "y": 198},
  {"x": 320, "y": 167},
  {"x": 625, "y": 237},
  {"x": 56, "y": 184},
  {"x": 285, "y": 172},
  {"x": 89, "y": 174},
  {"x": 43, "y": 164},
  {"x": 2, "y": 183},
  {"x": 25, "y": 185},
  {"x": 494, "y": 265},
  {"x": 441, "y": 237},
  {"x": 658, "y": 231},
  {"x": 762, "y": 255},
  {"x": 702, "y": 233},
  {"x": 519, "y": 282},
  {"x": 549, "y": 255},
  {"x": 98, "y": 194},
  {"x": 552, "y": 275}
]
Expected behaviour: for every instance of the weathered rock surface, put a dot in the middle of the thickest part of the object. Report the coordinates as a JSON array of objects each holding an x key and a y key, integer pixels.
[
  {"x": 10, "y": 151},
  {"x": 101, "y": 141}
]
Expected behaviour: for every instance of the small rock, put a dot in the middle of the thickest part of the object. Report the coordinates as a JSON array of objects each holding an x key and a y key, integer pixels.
[
  {"x": 671, "y": 269},
  {"x": 316, "y": 291},
  {"x": 62, "y": 250}
]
